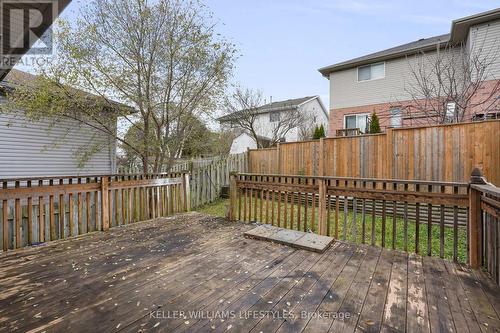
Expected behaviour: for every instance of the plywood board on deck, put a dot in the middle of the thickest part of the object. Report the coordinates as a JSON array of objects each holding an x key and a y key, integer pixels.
[{"x": 297, "y": 239}]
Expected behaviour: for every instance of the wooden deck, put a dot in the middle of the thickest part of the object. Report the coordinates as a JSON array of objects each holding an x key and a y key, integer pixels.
[{"x": 142, "y": 276}]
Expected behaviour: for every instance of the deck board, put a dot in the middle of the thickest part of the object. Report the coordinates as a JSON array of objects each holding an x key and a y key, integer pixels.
[{"x": 132, "y": 278}]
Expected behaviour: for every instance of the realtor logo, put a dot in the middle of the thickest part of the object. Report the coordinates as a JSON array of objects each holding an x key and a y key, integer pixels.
[{"x": 26, "y": 26}]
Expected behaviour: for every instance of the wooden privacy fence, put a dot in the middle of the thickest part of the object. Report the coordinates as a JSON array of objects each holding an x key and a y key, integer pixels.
[
  {"x": 208, "y": 175},
  {"x": 45, "y": 209},
  {"x": 436, "y": 153},
  {"x": 207, "y": 181}
]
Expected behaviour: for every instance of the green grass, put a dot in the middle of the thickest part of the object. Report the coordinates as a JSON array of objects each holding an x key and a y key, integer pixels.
[{"x": 218, "y": 208}]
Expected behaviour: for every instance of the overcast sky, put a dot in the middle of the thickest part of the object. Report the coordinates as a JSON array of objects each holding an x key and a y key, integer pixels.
[{"x": 284, "y": 42}]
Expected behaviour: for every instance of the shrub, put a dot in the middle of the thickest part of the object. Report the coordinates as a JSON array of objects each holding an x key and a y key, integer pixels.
[
  {"x": 374, "y": 124},
  {"x": 319, "y": 132}
]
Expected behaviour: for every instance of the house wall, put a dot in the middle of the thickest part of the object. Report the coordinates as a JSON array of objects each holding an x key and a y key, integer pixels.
[
  {"x": 312, "y": 110},
  {"x": 484, "y": 41},
  {"x": 348, "y": 96},
  {"x": 38, "y": 149},
  {"x": 397, "y": 85},
  {"x": 242, "y": 143}
]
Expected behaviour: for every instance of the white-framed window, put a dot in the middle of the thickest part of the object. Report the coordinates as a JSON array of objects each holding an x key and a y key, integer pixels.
[
  {"x": 396, "y": 117},
  {"x": 274, "y": 117},
  {"x": 356, "y": 121},
  {"x": 371, "y": 72},
  {"x": 451, "y": 109}
]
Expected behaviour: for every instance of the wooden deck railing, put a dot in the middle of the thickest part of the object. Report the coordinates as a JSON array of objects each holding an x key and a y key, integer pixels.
[
  {"x": 421, "y": 216},
  {"x": 484, "y": 230},
  {"x": 44, "y": 209},
  {"x": 348, "y": 132},
  {"x": 458, "y": 221}
]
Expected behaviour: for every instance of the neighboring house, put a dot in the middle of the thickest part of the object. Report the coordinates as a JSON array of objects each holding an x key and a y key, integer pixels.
[
  {"x": 379, "y": 82},
  {"x": 42, "y": 148},
  {"x": 311, "y": 110}
]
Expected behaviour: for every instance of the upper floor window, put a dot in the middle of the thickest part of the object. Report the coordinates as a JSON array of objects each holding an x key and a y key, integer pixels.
[
  {"x": 274, "y": 117},
  {"x": 396, "y": 117},
  {"x": 451, "y": 111},
  {"x": 371, "y": 72}
]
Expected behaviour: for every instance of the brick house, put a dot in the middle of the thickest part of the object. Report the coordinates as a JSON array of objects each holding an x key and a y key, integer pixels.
[{"x": 379, "y": 82}]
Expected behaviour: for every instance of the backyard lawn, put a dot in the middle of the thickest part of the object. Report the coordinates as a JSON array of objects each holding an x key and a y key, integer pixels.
[{"x": 353, "y": 231}]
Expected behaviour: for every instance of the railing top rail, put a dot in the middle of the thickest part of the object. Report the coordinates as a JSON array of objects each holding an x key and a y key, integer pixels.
[
  {"x": 488, "y": 189},
  {"x": 24, "y": 179},
  {"x": 400, "y": 181}
]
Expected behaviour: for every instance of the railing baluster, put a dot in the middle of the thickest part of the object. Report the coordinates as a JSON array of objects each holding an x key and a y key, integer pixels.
[
  {"x": 337, "y": 212},
  {"x": 346, "y": 209},
  {"x": 88, "y": 225},
  {"x": 17, "y": 218},
  {"x": 429, "y": 229},
  {"x": 328, "y": 204},
  {"x": 299, "y": 208},
  {"x": 52, "y": 221},
  {"x": 394, "y": 217},
  {"x": 417, "y": 222},
  {"x": 62, "y": 213},
  {"x": 373, "y": 223},
  {"x": 41, "y": 216},
  {"x": 441, "y": 228},
  {"x": 71, "y": 221},
  {"x": 30, "y": 217},
  {"x": 5, "y": 220},
  {"x": 363, "y": 221},
  {"x": 383, "y": 221},
  {"x": 354, "y": 218}
]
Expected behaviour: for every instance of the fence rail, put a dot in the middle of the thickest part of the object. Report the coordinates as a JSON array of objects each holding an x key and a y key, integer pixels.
[{"x": 44, "y": 209}]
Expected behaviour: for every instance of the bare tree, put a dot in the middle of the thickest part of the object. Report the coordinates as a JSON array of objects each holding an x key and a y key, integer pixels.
[
  {"x": 162, "y": 58},
  {"x": 449, "y": 84},
  {"x": 245, "y": 110}
]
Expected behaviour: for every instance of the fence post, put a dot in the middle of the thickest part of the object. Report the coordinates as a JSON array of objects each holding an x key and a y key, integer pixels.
[
  {"x": 104, "y": 203},
  {"x": 233, "y": 197},
  {"x": 187, "y": 191},
  {"x": 475, "y": 225},
  {"x": 322, "y": 207}
]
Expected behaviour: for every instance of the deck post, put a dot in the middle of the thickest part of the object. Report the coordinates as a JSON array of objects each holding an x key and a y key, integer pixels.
[
  {"x": 104, "y": 203},
  {"x": 187, "y": 191},
  {"x": 233, "y": 197},
  {"x": 475, "y": 226},
  {"x": 322, "y": 207}
]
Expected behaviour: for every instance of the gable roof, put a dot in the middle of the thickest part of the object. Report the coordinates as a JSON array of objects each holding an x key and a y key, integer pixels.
[
  {"x": 289, "y": 104},
  {"x": 16, "y": 78},
  {"x": 459, "y": 31},
  {"x": 423, "y": 44}
]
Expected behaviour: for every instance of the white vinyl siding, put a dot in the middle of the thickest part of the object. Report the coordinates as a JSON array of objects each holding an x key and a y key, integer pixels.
[
  {"x": 30, "y": 149},
  {"x": 347, "y": 91},
  {"x": 485, "y": 39}
]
